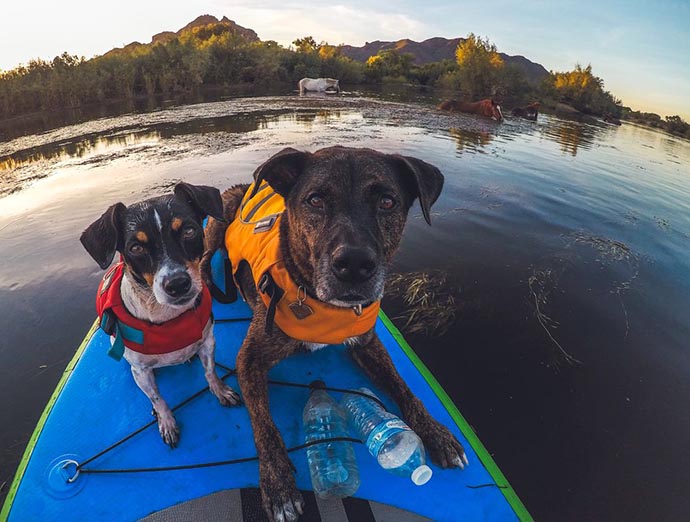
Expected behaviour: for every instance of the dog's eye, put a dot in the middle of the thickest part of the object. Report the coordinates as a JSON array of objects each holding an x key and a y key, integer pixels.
[
  {"x": 136, "y": 249},
  {"x": 386, "y": 203},
  {"x": 316, "y": 201},
  {"x": 188, "y": 233}
]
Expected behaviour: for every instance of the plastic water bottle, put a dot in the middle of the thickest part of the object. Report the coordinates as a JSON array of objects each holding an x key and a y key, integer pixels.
[
  {"x": 332, "y": 465},
  {"x": 395, "y": 446}
]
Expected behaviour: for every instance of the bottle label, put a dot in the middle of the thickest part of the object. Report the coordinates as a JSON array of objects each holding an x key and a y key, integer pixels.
[{"x": 382, "y": 432}]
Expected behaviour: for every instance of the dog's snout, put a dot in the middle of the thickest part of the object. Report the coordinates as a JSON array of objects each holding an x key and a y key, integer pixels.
[
  {"x": 177, "y": 284},
  {"x": 353, "y": 265}
]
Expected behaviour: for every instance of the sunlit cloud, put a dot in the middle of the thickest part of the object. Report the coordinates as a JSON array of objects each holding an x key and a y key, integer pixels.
[{"x": 335, "y": 24}]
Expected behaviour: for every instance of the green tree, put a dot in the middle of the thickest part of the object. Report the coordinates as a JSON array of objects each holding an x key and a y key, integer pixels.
[
  {"x": 305, "y": 45},
  {"x": 676, "y": 125},
  {"x": 479, "y": 66},
  {"x": 389, "y": 65},
  {"x": 581, "y": 89}
]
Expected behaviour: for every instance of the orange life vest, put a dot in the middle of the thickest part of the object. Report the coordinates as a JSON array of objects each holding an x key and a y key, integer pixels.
[
  {"x": 254, "y": 236},
  {"x": 143, "y": 336}
]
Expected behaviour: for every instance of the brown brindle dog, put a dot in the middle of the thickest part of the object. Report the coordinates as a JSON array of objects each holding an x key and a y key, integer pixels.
[{"x": 345, "y": 212}]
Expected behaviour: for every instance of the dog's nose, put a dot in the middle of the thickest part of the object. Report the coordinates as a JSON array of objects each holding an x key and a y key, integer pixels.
[
  {"x": 177, "y": 284},
  {"x": 353, "y": 265}
]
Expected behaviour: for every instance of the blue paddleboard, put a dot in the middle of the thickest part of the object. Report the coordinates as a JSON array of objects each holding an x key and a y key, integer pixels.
[{"x": 97, "y": 404}]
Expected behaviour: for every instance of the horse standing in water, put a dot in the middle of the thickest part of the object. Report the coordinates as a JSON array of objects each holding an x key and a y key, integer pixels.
[
  {"x": 318, "y": 84},
  {"x": 487, "y": 107},
  {"x": 530, "y": 112}
]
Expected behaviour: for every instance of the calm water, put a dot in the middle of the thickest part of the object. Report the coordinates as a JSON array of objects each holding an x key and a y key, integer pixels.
[{"x": 558, "y": 239}]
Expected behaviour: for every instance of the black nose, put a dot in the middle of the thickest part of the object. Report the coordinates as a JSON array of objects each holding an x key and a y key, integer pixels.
[
  {"x": 353, "y": 265},
  {"x": 177, "y": 284}
]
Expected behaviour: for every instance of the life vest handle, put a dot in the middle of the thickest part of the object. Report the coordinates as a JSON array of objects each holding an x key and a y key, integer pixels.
[{"x": 247, "y": 220}]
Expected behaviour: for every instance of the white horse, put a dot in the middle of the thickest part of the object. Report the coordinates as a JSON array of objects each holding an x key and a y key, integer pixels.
[{"x": 317, "y": 84}]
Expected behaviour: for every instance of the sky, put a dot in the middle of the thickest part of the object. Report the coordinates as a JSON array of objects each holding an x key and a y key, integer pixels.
[{"x": 640, "y": 48}]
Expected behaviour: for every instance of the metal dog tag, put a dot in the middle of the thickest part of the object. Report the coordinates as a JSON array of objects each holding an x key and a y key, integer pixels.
[{"x": 300, "y": 310}]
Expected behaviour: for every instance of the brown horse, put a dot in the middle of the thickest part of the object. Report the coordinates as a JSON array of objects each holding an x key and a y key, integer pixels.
[
  {"x": 487, "y": 107},
  {"x": 530, "y": 112},
  {"x": 610, "y": 118}
]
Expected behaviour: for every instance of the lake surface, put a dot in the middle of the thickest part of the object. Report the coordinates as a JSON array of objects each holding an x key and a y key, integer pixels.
[{"x": 563, "y": 246}]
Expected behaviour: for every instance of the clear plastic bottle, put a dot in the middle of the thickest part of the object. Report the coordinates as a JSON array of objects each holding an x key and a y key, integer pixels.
[
  {"x": 395, "y": 446},
  {"x": 332, "y": 465}
]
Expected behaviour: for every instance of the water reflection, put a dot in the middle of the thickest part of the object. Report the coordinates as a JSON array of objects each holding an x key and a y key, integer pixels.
[
  {"x": 321, "y": 116},
  {"x": 572, "y": 135},
  {"x": 46, "y": 120},
  {"x": 88, "y": 146},
  {"x": 30, "y": 162},
  {"x": 470, "y": 141}
]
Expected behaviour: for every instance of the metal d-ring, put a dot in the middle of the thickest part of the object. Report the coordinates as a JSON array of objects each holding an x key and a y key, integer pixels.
[
  {"x": 301, "y": 295},
  {"x": 71, "y": 480}
]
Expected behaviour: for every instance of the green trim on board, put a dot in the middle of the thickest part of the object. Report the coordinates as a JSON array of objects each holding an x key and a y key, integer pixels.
[
  {"x": 7, "y": 506},
  {"x": 480, "y": 450}
]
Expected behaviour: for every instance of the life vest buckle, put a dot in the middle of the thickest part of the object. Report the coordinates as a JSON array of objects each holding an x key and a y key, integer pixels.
[{"x": 108, "y": 322}]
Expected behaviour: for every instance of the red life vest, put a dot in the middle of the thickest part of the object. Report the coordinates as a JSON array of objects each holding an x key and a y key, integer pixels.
[{"x": 143, "y": 336}]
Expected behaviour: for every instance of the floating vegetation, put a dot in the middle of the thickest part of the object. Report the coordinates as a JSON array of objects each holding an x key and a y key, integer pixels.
[
  {"x": 541, "y": 283},
  {"x": 619, "y": 258},
  {"x": 158, "y": 189},
  {"x": 662, "y": 223},
  {"x": 429, "y": 299},
  {"x": 609, "y": 249}
]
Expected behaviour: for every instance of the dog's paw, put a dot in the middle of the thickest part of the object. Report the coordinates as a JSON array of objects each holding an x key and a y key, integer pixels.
[
  {"x": 443, "y": 447},
  {"x": 286, "y": 507},
  {"x": 225, "y": 394},
  {"x": 167, "y": 427},
  {"x": 281, "y": 499}
]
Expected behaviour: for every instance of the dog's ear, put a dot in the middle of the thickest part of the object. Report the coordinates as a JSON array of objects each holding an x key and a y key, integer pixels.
[
  {"x": 422, "y": 179},
  {"x": 103, "y": 237},
  {"x": 281, "y": 170},
  {"x": 205, "y": 201}
]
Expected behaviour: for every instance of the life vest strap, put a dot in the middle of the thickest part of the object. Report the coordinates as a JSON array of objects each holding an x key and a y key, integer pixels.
[
  {"x": 269, "y": 287},
  {"x": 224, "y": 292},
  {"x": 120, "y": 332}
]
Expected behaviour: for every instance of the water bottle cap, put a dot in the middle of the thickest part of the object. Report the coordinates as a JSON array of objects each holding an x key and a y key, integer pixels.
[{"x": 421, "y": 475}]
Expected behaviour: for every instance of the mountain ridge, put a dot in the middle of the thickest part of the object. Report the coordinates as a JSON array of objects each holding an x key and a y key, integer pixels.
[
  {"x": 430, "y": 50},
  {"x": 436, "y": 49}
]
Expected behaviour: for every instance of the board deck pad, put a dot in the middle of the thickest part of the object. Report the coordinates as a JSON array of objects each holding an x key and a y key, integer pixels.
[
  {"x": 98, "y": 403},
  {"x": 244, "y": 505}
]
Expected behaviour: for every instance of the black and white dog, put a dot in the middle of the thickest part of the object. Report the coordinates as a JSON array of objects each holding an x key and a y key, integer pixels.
[{"x": 154, "y": 302}]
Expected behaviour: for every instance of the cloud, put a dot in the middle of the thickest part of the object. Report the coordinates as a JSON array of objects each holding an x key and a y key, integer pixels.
[{"x": 333, "y": 23}]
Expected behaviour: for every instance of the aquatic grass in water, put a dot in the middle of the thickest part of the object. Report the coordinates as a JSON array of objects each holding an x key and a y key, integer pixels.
[
  {"x": 429, "y": 298},
  {"x": 545, "y": 280}
]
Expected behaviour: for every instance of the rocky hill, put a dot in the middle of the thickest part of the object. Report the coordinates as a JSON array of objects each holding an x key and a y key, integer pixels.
[
  {"x": 201, "y": 21},
  {"x": 437, "y": 49}
]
